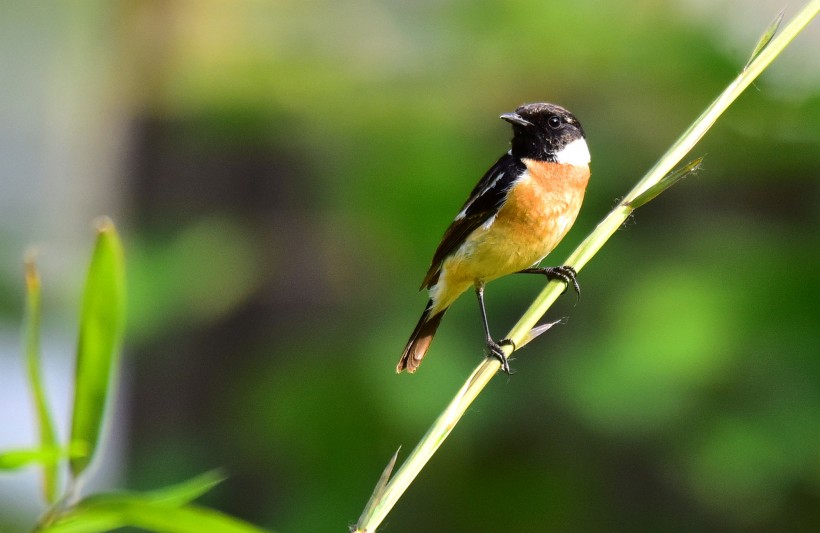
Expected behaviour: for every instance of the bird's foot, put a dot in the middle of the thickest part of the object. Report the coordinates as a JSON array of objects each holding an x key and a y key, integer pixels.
[
  {"x": 496, "y": 350},
  {"x": 564, "y": 273}
]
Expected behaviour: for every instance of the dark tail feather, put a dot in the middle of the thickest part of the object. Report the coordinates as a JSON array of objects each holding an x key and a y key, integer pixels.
[{"x": 420, "y": 340}]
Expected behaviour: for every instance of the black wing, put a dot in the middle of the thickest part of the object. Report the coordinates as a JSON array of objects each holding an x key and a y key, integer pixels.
[{"x": 483, "y": 203}]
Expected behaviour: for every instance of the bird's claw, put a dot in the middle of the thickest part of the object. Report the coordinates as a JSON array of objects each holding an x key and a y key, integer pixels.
[
  {"x": 564, "y": 273},
  {"x": 495, "y": 349}
]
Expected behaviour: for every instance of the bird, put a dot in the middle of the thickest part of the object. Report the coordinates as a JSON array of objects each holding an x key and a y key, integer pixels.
[{"x": 517, "y": 214}]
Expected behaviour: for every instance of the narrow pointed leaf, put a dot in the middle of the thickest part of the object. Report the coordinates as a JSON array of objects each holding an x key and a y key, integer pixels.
[
  {"x": 101, "y": 326},
  {"x": 665, "y": 182},
  {"x": 538, "y": 330},
  {"x": 106, "y": 514},
  {"x": 172, "y": 496},
  {"x": 766, "y": 38},
  {"x": 16, "y": 459},
  {"x": 45, "y": 421},
  {"x": 187, "y": 491},
  {"x": 381, "y": 484}
]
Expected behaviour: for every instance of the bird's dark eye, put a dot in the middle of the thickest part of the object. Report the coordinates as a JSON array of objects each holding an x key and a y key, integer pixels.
[{"x": 554, "y": 122}]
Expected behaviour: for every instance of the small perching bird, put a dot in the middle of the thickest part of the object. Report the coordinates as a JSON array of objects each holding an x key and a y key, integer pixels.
[{"x": 516, "y": 215}]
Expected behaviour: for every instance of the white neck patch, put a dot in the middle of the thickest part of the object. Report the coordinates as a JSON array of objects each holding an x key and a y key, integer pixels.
[{"x": 575, "y": 153}]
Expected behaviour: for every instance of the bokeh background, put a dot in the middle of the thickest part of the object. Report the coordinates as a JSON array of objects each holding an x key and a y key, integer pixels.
[{"x": 281, "y": 173}]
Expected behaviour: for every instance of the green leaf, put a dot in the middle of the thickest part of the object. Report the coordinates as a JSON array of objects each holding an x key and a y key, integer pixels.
[
  {"x": 105, "y": 513},
  {"x": 173, "y": 496},
  {"x": 15, "y": 459},
  {"x": 101, "y": 325},
  {"x": 187, "y": 491},
  {"x": 48, "y": 438}
]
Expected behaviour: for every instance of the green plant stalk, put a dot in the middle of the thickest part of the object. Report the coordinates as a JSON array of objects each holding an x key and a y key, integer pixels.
[
  {"x": 373, "y": 516},
  {"x": 48, "y": 437}
]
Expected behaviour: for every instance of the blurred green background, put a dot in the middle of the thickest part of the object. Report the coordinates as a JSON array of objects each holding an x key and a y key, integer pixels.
[{"x": 281, "y": 173}]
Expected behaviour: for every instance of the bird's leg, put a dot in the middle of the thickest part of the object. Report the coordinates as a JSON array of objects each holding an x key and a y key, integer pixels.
[
  {"x": 493, "y": 347},
  {"x": 565, "y": 273}
]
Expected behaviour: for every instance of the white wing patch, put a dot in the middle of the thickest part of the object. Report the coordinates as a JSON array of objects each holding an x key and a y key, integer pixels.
[
  {"x": 489, "y": 222},
  {"x": 489, "y": 186}
]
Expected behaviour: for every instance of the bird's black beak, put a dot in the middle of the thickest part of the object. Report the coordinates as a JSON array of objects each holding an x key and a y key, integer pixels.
[{"x": 515, "y": 118}]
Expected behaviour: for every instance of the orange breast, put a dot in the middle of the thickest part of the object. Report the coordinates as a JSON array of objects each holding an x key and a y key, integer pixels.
[
  {"x": 542, "y": 207},
  {"x": 539, "y": 211}
]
